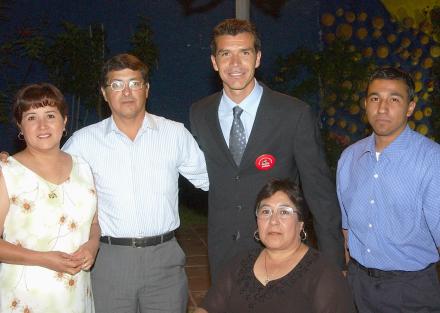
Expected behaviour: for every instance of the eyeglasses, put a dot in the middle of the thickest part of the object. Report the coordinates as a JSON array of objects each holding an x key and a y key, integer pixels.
[
  {"x": 119, "y": 85},
  {"x": 282, "y": 212}
]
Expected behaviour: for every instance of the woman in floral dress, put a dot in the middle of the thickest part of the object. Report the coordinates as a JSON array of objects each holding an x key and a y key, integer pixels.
[{"x": 48, "y": 218}]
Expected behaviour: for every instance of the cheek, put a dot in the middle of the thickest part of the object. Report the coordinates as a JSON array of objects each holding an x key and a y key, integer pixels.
[{"x": 262, "y": 225}]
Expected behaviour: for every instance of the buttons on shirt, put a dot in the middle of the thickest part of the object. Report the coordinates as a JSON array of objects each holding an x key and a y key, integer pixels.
[
  {"x": 375, "y": 176},
  {"x": 372, "y": 201},
  {"x": 370, "y": 225},
  {"x": 368, "y": 250}
]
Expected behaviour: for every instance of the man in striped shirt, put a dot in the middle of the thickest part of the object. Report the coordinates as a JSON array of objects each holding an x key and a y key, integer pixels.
[
  {"x": 136, "y": 158},
  {"x": 389, "y": 191}
]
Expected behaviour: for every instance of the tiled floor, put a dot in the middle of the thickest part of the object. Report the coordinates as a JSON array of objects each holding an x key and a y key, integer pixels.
[{"x": 193, "y": 240}]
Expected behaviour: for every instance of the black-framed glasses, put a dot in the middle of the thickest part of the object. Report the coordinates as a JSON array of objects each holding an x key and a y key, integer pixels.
[
  {"x": 119, "y": 85},
  {"x": 282, "y": 212}
]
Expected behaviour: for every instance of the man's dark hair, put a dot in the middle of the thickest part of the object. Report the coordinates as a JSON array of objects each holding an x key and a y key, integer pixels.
[
  {"x": 234, "y": 27},
  {"x": 392, "y": 73},
  {"x": 121, "y": 62},
  {"x": 291, "y": 189}
]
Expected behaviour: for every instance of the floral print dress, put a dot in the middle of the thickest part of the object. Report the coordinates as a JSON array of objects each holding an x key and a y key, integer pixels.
[{"x": 46, "y": 217}]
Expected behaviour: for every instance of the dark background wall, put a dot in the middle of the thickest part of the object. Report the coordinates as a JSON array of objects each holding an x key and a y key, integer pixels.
[{"x": 184, "y": 73}]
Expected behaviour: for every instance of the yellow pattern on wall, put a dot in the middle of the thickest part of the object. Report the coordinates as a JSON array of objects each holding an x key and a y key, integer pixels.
[{"x": 410, "y": 11}]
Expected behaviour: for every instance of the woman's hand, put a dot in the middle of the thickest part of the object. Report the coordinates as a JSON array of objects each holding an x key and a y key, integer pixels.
[{"x": 60, "y": 262}]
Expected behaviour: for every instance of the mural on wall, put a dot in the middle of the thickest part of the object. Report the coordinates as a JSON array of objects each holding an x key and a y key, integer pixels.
[
  {"x": 404, "y": 41},
  {"x": 355, "y": 40}
]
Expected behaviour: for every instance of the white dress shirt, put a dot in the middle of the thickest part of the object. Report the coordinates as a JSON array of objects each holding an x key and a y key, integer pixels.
[
  {"x": 249, "y": 105},
  {"x": 137, "y": 181}
]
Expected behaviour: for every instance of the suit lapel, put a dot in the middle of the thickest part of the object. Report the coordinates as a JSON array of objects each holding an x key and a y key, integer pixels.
[
  {"x": 266, "y": 120},
  {"x": 214, "y": 127}
]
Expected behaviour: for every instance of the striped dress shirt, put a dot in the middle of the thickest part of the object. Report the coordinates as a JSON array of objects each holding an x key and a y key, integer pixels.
[
  {"x": 137, "y": 181},
  {"x": 391, "y": 205}
]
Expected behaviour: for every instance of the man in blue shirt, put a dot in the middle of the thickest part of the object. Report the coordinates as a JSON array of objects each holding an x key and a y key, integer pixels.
[{"x": 389, "y": 191}]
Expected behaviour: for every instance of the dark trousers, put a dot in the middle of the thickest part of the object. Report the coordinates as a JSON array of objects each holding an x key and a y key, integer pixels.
[{"x": 395, "y": 292}]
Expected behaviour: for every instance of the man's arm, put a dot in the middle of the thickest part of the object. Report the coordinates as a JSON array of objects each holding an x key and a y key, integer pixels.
[
  {"x": 346, "y": 251},
  {"x": 192, "y": 161},
  {"x": 318, "y": 186}
]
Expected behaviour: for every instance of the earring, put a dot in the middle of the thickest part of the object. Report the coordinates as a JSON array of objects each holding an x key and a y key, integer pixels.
[
  {"x": 303, "y": 235},
  {"x": 20, "y": 136},
  {"x": 256, "y": 235},
  {"x": 65, "y": 132}
]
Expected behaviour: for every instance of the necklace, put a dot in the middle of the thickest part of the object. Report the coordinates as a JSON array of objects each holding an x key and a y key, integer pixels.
[
  {"x": 267, "y": 280},
  {"x": 51, "y": 191}
]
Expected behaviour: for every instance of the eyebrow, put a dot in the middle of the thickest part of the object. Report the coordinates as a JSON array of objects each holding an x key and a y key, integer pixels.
[{"x": 392, "y": 94}]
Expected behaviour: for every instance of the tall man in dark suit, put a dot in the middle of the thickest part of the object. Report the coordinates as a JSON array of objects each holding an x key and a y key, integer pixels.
[{"x": 249, "y": 134}]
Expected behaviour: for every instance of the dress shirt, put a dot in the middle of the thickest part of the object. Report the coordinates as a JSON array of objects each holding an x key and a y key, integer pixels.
[
  {"x": 249, "y": 105},
  {"x": 391, "y": 205},
  {"x": 137, "y": 181}
]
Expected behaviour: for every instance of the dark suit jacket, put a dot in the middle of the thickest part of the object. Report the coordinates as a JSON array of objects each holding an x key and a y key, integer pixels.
[{"x": 285, "y": 128}]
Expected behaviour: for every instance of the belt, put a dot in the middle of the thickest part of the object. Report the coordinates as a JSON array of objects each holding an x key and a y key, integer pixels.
[
  {"x": 376, "y": 273},
  {"x": 141, "y": 242}
]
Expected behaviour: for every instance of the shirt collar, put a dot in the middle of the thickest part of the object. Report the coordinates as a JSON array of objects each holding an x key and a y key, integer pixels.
[
  {"x": 399, "y": 144},
  {"x": 249, "y": 104},
  {"x": 147, "y": 123}
]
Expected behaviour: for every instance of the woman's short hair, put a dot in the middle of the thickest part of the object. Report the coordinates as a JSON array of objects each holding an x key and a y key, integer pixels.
[
  {"x": 37, "y": 96},
  {"x": 286, "y": 186}
]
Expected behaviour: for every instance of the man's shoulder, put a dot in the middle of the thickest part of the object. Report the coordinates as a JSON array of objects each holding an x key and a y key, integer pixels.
[
  {"x": 284, "y": 101},
  {"x": 207, "y": 101},
  {"x": 424, "y": 143},
  {"x": 163, "y": 122},
  {"x": 93, "y": 129},
  {"x": 355, "y": 148}
]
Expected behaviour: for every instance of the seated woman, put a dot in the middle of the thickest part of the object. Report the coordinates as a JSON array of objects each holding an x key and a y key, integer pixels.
[
  {"x": 285, "y": 276},
  {"x": 48, "y": 218}
]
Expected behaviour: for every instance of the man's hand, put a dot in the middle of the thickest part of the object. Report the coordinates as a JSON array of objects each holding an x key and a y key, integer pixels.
[
  {"x": 3, "y": 156},
  {"x": 86, "y": 254}
]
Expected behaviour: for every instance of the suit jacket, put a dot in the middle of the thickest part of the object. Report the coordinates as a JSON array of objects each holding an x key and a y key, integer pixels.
[{"x": 285, "y": 128}]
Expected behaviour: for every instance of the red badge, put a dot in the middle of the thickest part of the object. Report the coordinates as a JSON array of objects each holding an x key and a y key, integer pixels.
[{"x": 265, "y": 162}]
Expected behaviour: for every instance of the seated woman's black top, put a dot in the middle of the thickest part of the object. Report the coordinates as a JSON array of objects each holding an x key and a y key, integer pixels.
[{"x": 313, "y": 286}]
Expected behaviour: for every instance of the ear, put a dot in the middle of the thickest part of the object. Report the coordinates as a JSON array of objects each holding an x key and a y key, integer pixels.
[
  {"x": 411, "y": 107},
  {"x": 257, "y": 61},
  {"x": 103, "y": 94},
  {"x": 65, "y": 121},
  {"x": 214, "y": 63},
  {"x": 147, "y": 90}
]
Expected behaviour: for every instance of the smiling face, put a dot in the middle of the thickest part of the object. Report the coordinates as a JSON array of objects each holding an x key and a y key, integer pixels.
[
  {"x": 236, "y": 60},
  {"x": 276, "y": 233},
  {"x": 42, "y": 128},
  {"x": 388, "y": 107},
  {"x": 127, "y": 104}
]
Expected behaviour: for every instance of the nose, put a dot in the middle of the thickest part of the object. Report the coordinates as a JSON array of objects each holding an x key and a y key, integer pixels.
[
  {"x": 274, "y": 218},
  {"x": 383, "y": 106},
  {"x": 235, "y": 59},
  {"x": 42, "y": 123},
  {"x": 126, "y": 91}
]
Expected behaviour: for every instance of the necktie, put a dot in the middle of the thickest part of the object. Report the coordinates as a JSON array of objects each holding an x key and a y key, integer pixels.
[{"x": 237, "y": 137}]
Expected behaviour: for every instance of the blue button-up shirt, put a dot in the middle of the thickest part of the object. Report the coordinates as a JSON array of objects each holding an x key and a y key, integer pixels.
[{"x": 391, "y": 205}]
